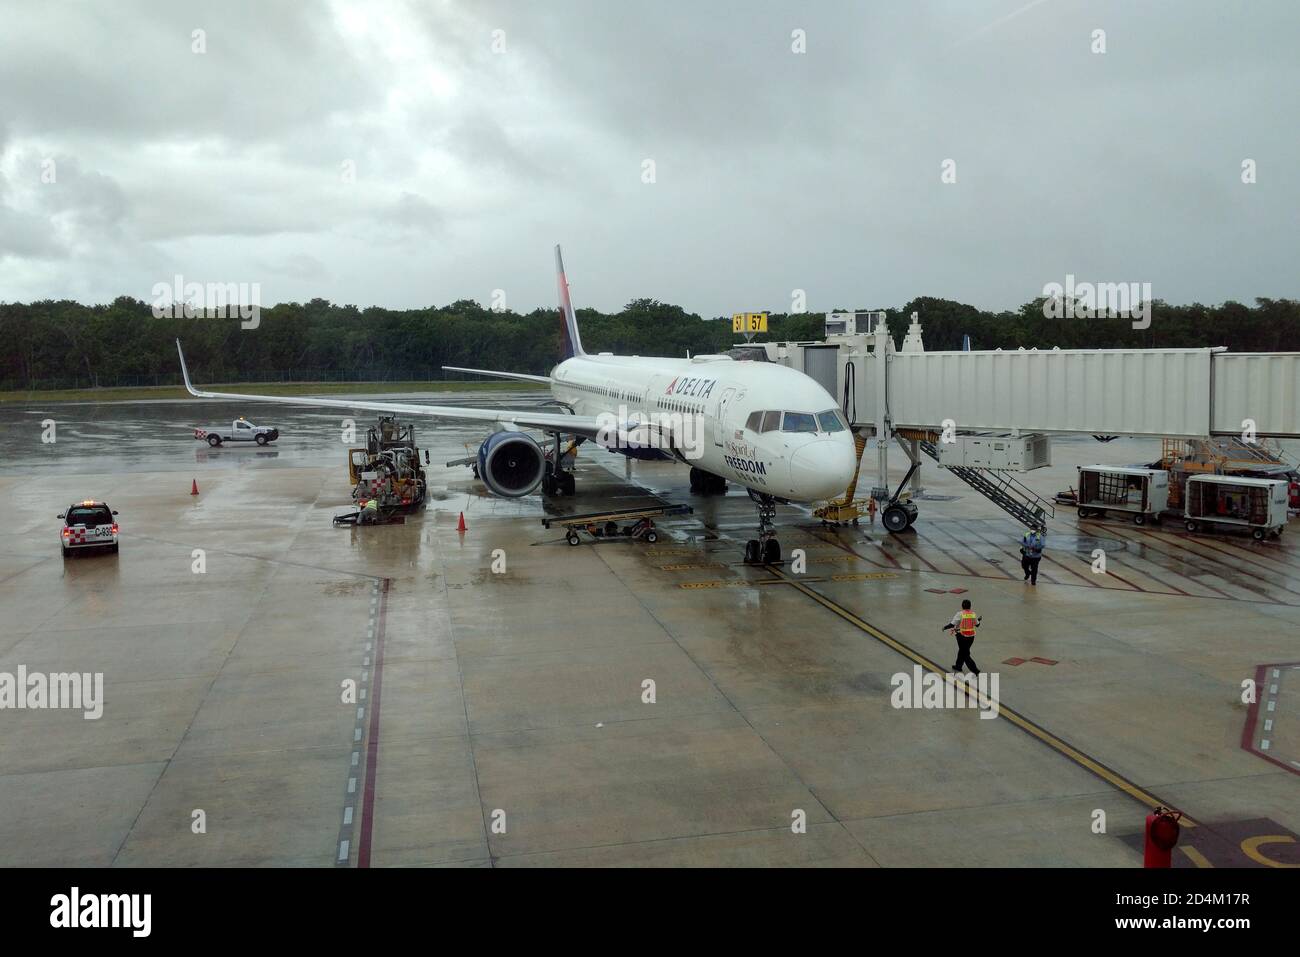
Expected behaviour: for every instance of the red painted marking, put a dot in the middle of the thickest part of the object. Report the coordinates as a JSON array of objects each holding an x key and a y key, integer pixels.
[
  {"x": 1006, "y": 555},
  {"x": 1014, "y": 662},
  {"x": 1158, "y": 551},
  {"x": 1252, "y": 560},
  {"x": 1091, "y": 582},
  {"x": 1044, "y": 661},
  {"x": 900, "y": 541},
  {"x": 372, "y": 738},
  {"x": 957, "y": 591},
  {"x": 1252, "y": 717},
  {"x": 949, "y": 554},
  {"x": 938, "y": 591}
]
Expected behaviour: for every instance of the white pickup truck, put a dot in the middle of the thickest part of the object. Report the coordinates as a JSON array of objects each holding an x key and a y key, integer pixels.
[{"x": 240, "y": 430}]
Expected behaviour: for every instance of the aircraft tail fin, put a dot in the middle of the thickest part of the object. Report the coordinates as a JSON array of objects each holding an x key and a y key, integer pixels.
[{"x": 572, "y": 341}]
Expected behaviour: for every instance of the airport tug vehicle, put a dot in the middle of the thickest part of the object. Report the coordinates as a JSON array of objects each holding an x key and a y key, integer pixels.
[
  {"x": 240, "y": 430},
  {"x": 88, "y": 524}
]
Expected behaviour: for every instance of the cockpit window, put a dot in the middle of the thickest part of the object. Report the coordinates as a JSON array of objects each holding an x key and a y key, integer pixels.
[
  {"x": 799, "y": 422},
  {"x": 755, "y": 422},
  {"x": 771, "y": 421},
  {"x": 831, "y": 421}
]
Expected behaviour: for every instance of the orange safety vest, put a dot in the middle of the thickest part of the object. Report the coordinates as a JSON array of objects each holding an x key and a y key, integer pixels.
[{"x": 967, "y": 626}]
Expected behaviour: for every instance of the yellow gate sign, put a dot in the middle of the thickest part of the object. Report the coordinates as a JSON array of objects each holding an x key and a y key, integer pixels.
[{"x": 749, "y": 322}]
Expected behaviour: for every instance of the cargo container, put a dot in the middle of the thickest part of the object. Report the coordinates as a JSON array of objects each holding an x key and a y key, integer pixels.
[
  {"x": 1140, "y": 492},
  {"x": 1254, "y": 503}
]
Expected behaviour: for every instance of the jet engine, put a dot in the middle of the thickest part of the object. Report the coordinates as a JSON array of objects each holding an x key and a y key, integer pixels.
[{"x": 511, "y": 464}]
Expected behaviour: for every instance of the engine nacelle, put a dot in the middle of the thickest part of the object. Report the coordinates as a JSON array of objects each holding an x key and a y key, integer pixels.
[{"x": 511, "y": 464}]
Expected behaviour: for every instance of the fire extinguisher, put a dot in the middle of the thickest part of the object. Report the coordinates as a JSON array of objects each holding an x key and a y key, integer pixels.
[{"x": 1161, "y": 836}]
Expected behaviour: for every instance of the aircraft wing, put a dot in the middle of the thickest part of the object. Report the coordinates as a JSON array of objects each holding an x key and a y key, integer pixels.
[
  {"x": 521, "y": 376},
  {"x": 587, "y": 426}
]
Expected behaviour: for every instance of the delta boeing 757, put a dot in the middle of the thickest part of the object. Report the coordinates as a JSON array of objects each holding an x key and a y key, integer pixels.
[{"x": 766, "y": 427}]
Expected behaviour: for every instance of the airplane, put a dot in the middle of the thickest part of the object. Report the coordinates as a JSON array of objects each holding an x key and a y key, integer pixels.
[{"x": 771, "y": 429}]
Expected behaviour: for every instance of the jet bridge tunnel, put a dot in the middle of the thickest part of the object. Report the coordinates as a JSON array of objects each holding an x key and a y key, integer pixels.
[{"x": 956, "y": 396}]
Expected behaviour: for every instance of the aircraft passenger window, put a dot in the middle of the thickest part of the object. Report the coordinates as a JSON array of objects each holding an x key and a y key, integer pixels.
[
  {"x": 831, "y": 420},
  {"x": 799, "y": 422},
  {"x": 771, "y": 421}
]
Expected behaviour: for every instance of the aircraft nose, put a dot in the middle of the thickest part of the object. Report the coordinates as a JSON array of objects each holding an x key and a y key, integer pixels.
[{"x": 822, "y": 469}]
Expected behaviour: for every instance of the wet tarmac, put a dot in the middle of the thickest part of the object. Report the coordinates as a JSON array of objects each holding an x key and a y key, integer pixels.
[{"x": 408, "y": 695}]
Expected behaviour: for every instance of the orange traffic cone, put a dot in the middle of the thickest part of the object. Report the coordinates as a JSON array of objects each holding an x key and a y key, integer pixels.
[
  {"x": 194, "y": 486},
  {"x": 461, "y": 526}
]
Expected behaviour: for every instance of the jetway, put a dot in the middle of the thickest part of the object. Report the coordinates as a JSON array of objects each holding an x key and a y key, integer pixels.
[
  {"x": 914, "y": 396},
  {"x": 1182, "y": 393}
]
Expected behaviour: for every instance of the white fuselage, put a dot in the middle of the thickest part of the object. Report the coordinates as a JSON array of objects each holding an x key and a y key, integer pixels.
[{"x": 710, "y": 402}]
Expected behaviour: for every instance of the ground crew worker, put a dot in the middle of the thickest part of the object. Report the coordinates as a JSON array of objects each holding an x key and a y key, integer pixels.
[
  {"x": 369, "y": 513},
  {"x": 964, "y": 624},
  {"x": 1031, "y": 553},
  {"x": 871, "y": 510}
]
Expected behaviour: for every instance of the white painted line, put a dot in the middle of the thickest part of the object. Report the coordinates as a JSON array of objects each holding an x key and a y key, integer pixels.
[
  {"x": 1296, "y": 763},
  {"x": 343, "y": 850},
  {"x": 356, "y": 735},
  {"x": 367, "y": 646},
  {"x": 363, "y": 694},
  {"x": 1263, "y": 745},
  {"x": 360, "y": 713},
  {"x": 352, "y": 785},
  {"x": 1275, "y": 672},
  {"x": 1268, "y": 724},
  {"x": 1271, "y": 704},
  {"x": 347, "y": 815},
  {"x": 356, "y": 756},
  {"x": 365, "y": 676},
  {"x": 1272, "y": 689},
  {"x": 365, "y": 662}
]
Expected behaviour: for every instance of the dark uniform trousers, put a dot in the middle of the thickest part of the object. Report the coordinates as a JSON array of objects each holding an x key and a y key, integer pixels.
[{"x": 963, "y": 654}]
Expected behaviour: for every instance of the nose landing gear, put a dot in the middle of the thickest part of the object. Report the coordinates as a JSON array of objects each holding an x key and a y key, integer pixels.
[{"x": 764, "y": 550}]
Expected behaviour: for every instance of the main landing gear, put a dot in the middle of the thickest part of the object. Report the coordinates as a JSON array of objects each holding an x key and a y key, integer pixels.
[
  {"x": 764, "y": 550},
  {"x": 707, "y": 483},
  {"x": 556, "y": 479}
]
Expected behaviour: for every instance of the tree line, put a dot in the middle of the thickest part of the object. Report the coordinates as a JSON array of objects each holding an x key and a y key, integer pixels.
[{"x": 66, "y": 344}]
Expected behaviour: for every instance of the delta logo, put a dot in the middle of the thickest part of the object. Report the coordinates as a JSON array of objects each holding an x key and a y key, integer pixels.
[{"x": 693, "y": 388}]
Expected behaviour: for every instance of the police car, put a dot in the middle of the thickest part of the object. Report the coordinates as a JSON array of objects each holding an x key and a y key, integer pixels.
[{"x": 88, "y": 524}]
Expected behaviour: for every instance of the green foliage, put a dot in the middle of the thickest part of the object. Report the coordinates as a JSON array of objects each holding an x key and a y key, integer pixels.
[{"x": 52, "y": 344}]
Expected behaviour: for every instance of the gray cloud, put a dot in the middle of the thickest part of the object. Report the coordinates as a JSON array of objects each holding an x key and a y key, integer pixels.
[{"x": 774, "y": 170}]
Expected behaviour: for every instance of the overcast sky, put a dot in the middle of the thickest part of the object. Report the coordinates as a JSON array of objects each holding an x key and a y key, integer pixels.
[{"x": 475, "y": 151}]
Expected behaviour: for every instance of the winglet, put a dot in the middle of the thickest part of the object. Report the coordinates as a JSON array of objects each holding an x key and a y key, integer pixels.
[
  {"x": 185, "y": 373},
  {"x": 572, "y": 341}
]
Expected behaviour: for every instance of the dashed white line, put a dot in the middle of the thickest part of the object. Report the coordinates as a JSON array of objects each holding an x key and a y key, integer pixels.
[
  {"x": 343, "y": 850},
  {"x": 347, "y": 815},
  {"x": 352, "y": 785},
  {"x": 356, "y": 756}
]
